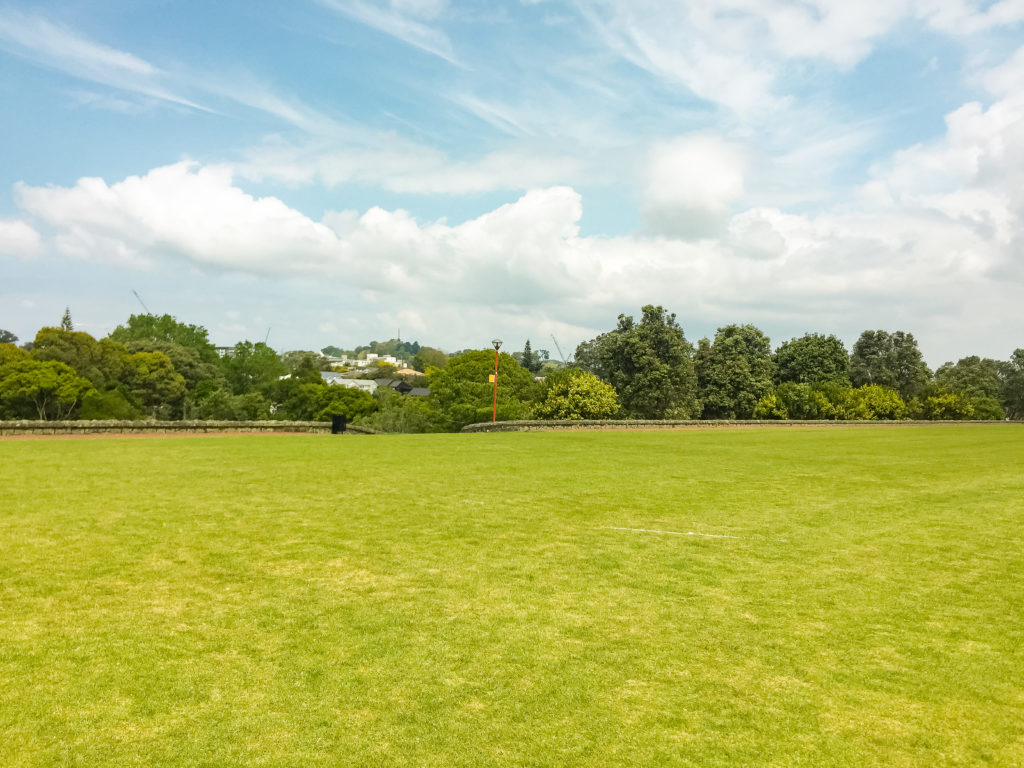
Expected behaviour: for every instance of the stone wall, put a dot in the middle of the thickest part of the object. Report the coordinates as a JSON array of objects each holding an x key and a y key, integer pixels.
[
  {"x": 540, "y": 425},
  {"x": 12, "y": 428}
]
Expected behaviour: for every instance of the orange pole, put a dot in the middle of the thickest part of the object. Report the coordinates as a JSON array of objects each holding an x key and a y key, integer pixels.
[{"x": 494, "y": 411}]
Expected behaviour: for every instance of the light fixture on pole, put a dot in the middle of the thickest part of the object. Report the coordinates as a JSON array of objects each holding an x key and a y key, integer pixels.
[{"x": 496, "y": 343}]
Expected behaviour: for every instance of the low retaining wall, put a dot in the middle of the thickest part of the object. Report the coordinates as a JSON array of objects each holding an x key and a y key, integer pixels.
[
  {"x": 541, "y": 425},
  {"x": 9, "y": 428}
]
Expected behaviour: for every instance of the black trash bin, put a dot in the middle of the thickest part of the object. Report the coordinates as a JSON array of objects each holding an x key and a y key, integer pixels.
[{"x": 337, "y": 423}]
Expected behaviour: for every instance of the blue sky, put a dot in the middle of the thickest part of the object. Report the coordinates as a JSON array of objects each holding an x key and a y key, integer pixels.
[{"x": 337, "y": 170}]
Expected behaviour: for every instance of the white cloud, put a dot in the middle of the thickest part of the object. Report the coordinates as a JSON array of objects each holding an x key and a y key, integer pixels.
[
  {"x": 179, "y": 211},
  {"x": 55, "y": 46},
  {"x": 691, "y": 183},
  {"x": 398, "y": 165},
  {"x": 18, "y": 239},
  {"x": 402, "y": 19},
  {"x": 932, "y": 243},
  {"x": 733, "y": 52}
]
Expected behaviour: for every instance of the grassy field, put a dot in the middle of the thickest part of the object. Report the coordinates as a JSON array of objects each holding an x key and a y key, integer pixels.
[{"x": 467, "y": 600}]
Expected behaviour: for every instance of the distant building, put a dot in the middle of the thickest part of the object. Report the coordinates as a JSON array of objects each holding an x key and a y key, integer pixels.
[{"x": 366, "y": 385}]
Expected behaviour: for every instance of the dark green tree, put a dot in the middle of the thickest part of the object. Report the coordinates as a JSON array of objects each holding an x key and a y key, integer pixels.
[
  {"x": 1011, "y": 374},
  {"x": 186, "y": 360},
  {"x": 889, "y": 360},
  {"x": 811, "y": 359},
  {"x": 101, "y": 362},
  {"x": 529, "y": 359},
  {"x": 166, "y": 328},
  {"x": 650, "y": 365},
  {"x": 65, "y": 321},
  {"x": 734, "y": 372},
  {"x": 978, "y": 379},
  {"x": 6, "y": 337},
  {"x": 400, "y": 413},
  {"x": 252, "y": 368},
  {"x": 353, "y": 403}
]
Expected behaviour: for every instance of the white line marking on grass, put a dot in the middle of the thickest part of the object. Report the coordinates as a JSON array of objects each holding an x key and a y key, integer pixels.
[{"x": 672, "y": 533}]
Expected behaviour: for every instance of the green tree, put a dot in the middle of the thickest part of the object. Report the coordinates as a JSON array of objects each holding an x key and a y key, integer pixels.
[
  {"x": 873, "y": 402},
  {"x": 65, "y": 321},
  {"x": 6, "y": 337},
  {"x": 252, "y": 368},
  {"x": 812, "y": 359},
  {"x": 51, "y": 388},
  {"x": 650, "y": 365},
  {"x": 944, "y": 405},
  {"x": 802, "y": 401},
  {"x": 186, "y": 360},
  {"x": 529, "y": 359},
  {"x": 576, "y": 394},
  {"x": 429, "y": 357},
  {"x": 400, "y": 413},
  {"x": 111, "y": 404},
  {"x": 889, "y": 360},
  {"x": 166, "y": 328},
  {"x": 304, "y": 364},
  {"x": 351, "y": 402},
  {"x": 11, "y": 354},
  {"x": 461, "y": 392},
  {"x": 734, "y": 372},
  {"x": 220, "y": 405},
  {"x": 101, "y": 362},
  {"x": 1011, "y": 374},
  {"x": 152, "y": 380}
]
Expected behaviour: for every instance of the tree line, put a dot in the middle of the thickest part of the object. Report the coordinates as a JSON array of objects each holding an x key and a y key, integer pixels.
[{"x": 157, "y": 367}]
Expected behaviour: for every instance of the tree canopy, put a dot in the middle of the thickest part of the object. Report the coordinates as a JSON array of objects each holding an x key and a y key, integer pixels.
[
  {"x": 812, "y": 359},
  {"x": 734, "y": 371},
  {"x": 650, "y": 365}
]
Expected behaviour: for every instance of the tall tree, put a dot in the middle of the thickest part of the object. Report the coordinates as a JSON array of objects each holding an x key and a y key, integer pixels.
[
  {"x": 812, "y": 359},
  {"x": 101, "y": 362},
  {"x": 528, "y": 358},
  {"x": 650, "y": 365},
  {"x": 65, "y": 321},
  {"x": 889, "y": 360},
  {"x": 166, "y": 328},
  {"x": 734, "y": 372},
  {"x": 252, "y": 368},
  {"x": 1012, "y": 375},
  {"x": 152, "y": 380}
]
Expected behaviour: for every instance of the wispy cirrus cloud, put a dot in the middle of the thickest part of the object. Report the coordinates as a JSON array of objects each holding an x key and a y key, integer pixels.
[
  {"x": 405, "y": 20},
  {"x": 55, "y": 46}
]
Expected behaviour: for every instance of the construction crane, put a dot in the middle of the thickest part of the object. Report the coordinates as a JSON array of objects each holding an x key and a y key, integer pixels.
[
  {"x": 559, "y": 349},
  {"x": 141, "y": 302}
]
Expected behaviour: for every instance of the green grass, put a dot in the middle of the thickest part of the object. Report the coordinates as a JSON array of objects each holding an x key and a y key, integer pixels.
[{"x": 463, "y": 600}]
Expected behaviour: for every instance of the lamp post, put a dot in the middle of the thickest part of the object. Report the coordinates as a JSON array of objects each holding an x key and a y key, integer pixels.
[{"x": 494, "y": 412}]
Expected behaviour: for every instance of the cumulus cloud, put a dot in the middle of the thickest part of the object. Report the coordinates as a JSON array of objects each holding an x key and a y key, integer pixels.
[
  {"x": 690, "y": 185},
  {"x": 18, "y": 239},
  {"x": 932, "y": 243}
]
